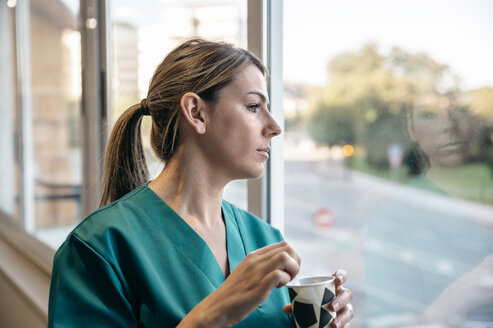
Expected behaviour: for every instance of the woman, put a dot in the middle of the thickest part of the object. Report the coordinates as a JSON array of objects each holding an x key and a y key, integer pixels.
[{"x": 171, "y": 252}]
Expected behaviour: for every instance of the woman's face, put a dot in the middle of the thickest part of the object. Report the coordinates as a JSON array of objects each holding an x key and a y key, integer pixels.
[
  {"x": 442, "y": 135},
  {"x": 240, "y": 127}
]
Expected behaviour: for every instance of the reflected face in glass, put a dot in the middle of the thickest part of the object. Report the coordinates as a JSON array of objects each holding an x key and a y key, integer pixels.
[
  {"x": 241, "y": 127},
  {"x": 441, "y": 133}
]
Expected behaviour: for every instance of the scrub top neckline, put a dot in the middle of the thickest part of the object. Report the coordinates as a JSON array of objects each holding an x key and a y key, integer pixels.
[{"x": 192, "y": 245}]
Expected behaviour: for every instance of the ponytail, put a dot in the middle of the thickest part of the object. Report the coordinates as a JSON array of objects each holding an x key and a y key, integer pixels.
[{"x": 125, "y": 165}]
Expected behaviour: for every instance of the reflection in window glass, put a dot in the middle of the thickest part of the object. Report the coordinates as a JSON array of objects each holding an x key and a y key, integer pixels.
[
  {"x": 143, "y": 35},
  {"x": 389, "y": 155}
]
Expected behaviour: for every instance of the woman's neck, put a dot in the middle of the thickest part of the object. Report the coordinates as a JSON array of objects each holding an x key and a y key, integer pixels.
[{"x": 190, "y": 190}]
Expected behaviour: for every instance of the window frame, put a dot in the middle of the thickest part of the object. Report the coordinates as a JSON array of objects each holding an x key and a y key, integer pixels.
[
  {"x": 266, "y": 195},
  {"x": 18, "y": 231},
  {"x": 96, "y": 101}
]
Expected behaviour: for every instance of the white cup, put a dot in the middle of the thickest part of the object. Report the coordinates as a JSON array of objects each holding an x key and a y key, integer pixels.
[{"x": 310, "y": 298}]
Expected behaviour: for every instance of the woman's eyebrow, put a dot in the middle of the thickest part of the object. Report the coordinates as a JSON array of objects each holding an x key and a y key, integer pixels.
[{"x": 260, "y": 94}]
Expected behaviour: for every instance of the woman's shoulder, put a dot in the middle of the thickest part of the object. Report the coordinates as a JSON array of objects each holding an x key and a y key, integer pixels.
[{"x": 120, "y": 218}]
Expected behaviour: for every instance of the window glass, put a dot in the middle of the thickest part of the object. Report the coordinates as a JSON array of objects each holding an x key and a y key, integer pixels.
[
  {"x": 144, "y": 32},
  {"x": 9, "y": 188},
  {"x": 389, "y": 155},
  {"x": 53, "y": 105}
]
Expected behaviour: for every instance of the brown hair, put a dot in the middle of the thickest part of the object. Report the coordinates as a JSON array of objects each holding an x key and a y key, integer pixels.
[{"x": 196, "y": 65}]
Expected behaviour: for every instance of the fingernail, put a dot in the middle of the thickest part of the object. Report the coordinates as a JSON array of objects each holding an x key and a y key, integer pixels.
[
  {"x": 337, "y": 324},
  {"x": 339, "y": 276},
  {"x": 335, "y": 306}
]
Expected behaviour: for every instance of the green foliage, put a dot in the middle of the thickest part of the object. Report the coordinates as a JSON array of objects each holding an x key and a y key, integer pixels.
[
  {"x": 332, "y": 125},
  {"x": 364, "y": 61},
  {"x": 369, "y": 94},
  {"x": 383, "y": 132}
]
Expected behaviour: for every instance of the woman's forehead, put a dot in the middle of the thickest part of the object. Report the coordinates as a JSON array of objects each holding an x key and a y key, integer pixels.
[{"x": 250, "y": 81}]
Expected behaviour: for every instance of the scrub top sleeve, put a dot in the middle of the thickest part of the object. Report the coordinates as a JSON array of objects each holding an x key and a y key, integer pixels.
[{"x": 86, "y": 291}]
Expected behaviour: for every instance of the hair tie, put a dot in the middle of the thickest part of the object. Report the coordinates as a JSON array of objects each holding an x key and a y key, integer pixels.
[{"x": 144, "y": 108}]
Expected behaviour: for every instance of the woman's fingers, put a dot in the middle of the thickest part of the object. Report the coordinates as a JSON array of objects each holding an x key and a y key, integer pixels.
[
  {"x": 341, "y": 303},
  {"x": 344, "y": 296},
  {"x": 272, "y": 257},
  {"x": 283, "y": 261},
  {"x": 271, "y": 266},
  {"x": 269, "y": 248},
  {"x": 251, "y": 282},
  {"x": 278, "y": 256},
  {"x": 288, "y": 309},
  {"x": 344, "y": 317},
  {"x": 276, "y": 278},
  {"x": 341, "y": 277},
  {"x": 283, "y": 247}
]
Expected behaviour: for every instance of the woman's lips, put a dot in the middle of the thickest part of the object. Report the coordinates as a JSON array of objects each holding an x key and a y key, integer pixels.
[
  {"x": 452, "y": 146},
  {"x": 264, "y": 151}
]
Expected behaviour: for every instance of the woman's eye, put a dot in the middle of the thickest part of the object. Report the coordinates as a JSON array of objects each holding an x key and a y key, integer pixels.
[{"x": 253, "y": 107}]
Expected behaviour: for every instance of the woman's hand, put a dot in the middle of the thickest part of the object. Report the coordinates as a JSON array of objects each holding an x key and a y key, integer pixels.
[
  {"x": 246, "y": 287},
  {"x": 340, "y": 304}
]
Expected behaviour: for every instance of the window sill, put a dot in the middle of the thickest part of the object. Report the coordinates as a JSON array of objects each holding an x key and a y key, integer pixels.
[{"x": 25, "y": 266}]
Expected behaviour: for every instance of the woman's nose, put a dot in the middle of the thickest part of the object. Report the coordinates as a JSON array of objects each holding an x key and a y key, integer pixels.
[
  {"x": 449, "y": 123},
  {"x": 272, "y": 129}
]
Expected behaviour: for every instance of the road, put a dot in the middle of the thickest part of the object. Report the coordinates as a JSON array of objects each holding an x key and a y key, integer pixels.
[
  {"x": 308, "y": 188},
  {"x": 444, "y": 238}
]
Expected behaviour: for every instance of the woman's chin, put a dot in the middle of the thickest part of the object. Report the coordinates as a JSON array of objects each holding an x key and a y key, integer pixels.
[
  {"x": 255, "y": 174},
  {"x": 447, "y": 158}
]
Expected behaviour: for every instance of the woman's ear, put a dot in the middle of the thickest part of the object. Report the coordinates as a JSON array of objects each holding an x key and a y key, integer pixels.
[{"x": 194, "y": 111}]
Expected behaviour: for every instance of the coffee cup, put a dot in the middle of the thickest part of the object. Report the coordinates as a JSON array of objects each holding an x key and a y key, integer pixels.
[{"x": 310, "y": 298}]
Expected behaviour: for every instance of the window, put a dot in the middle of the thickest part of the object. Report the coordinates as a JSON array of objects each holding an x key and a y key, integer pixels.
[
  {"x": 56, "y": 90},
  {"x": 42, "y": 167},
  {"x": 388, "y": 154},
  {"x": 143, "y": 35}
]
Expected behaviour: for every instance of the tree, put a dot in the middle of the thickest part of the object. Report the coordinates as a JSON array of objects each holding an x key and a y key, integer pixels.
[
  {"x": 332, "y": 125},
  {"x": 369, "y": 94}
]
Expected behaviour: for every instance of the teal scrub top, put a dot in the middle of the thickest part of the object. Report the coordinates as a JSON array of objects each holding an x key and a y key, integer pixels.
[{"x": 137, "y": 263}]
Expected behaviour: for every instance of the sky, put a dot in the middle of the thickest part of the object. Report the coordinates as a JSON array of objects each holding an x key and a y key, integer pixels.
[{"x": 458, "y": 33}]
